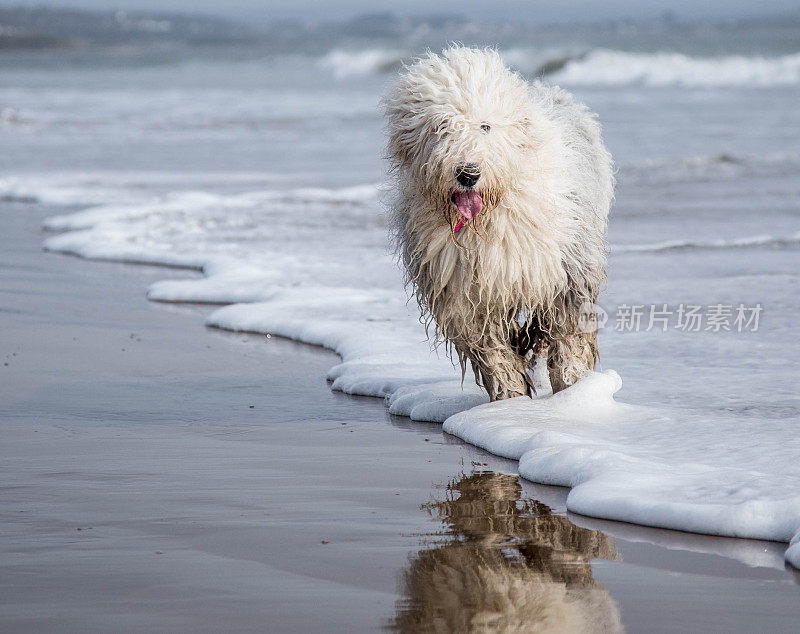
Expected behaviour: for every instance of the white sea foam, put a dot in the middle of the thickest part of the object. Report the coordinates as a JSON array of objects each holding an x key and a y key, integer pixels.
[
  {"x": 312, "y": 265},
  {"x": 613, "y": 68}
]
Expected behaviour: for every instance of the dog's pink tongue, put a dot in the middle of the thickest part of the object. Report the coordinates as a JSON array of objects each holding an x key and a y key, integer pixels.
[{"x": 469, "y": 203}]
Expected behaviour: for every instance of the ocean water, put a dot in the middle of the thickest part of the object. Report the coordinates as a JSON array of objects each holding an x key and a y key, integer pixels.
[{"x": 264, "y": 170}]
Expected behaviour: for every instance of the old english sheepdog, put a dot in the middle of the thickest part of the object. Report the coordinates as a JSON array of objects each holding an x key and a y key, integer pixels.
[{"x": 503, "y": 190}]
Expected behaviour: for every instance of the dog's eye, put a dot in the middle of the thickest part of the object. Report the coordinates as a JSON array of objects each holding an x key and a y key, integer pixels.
[{"x": 485, "y": 127}]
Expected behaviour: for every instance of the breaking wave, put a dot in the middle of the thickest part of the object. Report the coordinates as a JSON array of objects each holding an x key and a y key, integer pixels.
[
  {"x": 343, "y": 63},
  {"x": 723, "y": 165},
  {"x": 735, "y": 243},
  {"x": 540, "y": 62},
  {"x": 604, "y": 67},
  {"x": 600, "y": 67}
]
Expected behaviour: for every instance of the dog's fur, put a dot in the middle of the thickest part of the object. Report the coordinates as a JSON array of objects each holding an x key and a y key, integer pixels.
[{"x": 510, "y": 284}]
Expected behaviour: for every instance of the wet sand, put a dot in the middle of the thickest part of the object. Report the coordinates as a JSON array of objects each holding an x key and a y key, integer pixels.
[{"x": 161, "y": 476}]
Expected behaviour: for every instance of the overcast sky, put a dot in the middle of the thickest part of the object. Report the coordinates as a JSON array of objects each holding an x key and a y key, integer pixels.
[{"x": 539, "y": 10}]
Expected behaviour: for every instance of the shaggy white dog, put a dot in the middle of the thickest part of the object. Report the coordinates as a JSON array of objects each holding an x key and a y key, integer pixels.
[{"x": 503, "y": 193}]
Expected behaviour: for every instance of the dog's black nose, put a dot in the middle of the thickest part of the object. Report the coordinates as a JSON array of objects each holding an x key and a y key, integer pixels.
[{"x": 467, "y": 175}]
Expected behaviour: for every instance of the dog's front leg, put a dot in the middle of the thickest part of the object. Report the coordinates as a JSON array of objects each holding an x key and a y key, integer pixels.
[
  {"x": 504, "y": 377},
  {"x": 569, "y": 357},
  {"x": 501, "y": 370}
]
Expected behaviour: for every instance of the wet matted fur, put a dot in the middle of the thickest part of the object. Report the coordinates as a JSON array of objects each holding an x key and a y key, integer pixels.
[{"x": 510, "y": 284}]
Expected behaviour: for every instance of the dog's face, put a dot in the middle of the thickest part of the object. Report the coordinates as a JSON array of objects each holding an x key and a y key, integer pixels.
[{"x": 450, "y": 135}]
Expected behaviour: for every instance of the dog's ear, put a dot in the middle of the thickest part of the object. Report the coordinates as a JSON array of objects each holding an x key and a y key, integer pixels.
[
  {"x": 402, "y": 148},
  {"x": 403, "y": 116},
  {"x": 411, "y": 130}
]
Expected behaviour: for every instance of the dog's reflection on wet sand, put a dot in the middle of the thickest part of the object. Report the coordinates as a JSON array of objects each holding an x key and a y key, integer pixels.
[{"x": 505, "y": 564}]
